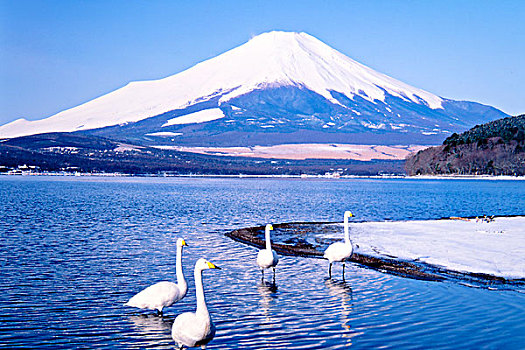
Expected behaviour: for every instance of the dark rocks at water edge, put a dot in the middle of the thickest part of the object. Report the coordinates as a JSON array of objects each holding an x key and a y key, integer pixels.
[
  {"x": 72, "y": 152},
  {"x": 495, "y": 148},
  {"x": 306, "y": 239}
]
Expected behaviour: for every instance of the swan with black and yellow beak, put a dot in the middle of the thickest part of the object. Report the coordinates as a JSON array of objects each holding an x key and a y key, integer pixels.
[
  {"x": 195, "y": 328},
  {"x": 267, "y": 258},
  {"x": 340, "y": 251},
  {"x": 165, "y": 293}
]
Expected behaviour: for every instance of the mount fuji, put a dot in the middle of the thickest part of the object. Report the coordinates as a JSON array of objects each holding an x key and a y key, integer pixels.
[{"x": 278, "y": 88}]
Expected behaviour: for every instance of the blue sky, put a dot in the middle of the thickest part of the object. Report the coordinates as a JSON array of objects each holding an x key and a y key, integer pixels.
[{"x": 58, "y": 54}]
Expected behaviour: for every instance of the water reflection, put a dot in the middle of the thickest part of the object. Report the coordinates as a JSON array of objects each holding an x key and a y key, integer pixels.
[
  {"x": 152, "y": 327},
  {"x": 342, "y": 291},
  {"x": 268, "y": 293}
]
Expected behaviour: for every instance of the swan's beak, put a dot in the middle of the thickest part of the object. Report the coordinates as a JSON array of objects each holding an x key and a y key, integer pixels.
[
  {"x": 212, "y": 266},
  {"x": 349, "y": 214},
  {"x": 270, "y": 227},
  {"x": 184, "y": 243}
]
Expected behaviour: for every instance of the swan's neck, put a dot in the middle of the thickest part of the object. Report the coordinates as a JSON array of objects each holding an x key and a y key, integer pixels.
[
  {"x": 202, "y": 309},
  {"x": 268, "y": 242},
  {"x": 181, "y": 282},
  {"x": 347, "y": 234}
]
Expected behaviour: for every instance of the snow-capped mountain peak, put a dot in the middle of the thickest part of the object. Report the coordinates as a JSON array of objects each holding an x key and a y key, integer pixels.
[
  {"x": 271, "y": 59},
  {"x": 288, "y": 58}
]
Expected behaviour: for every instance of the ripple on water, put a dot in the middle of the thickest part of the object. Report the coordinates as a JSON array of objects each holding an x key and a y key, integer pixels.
[{"x": 75, "y": 250}]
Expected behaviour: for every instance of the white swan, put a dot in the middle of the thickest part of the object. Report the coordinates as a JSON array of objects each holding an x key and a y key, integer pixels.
[
  {"x": 267, "y": 258},
  {"x": 340, "y": 251},
  {"x": 163, "y": 294},
  {"x": 195, "y": 328}
]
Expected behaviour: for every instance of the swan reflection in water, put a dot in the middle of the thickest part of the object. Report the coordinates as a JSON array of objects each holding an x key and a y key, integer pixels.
[
  {"x": 267, "y": 291},
  {"x": 152, "y": 328},
  {"x": 341, "y": 290}
]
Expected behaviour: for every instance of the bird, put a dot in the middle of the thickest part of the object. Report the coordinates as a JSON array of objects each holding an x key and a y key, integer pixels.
[
  {"x": 267, "y": 258},
  {"x": 195, "y": 328},
  {"x": 340, "y": 251},
  {"x": 165, "y": 293}
]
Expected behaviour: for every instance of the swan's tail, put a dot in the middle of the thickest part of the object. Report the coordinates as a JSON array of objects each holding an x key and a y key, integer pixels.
[{"x": 132, "y": 303}]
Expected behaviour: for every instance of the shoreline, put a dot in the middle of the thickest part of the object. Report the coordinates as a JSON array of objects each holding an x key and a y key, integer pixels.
[
  {"x": 297, "y": 244},
  {"x": 302, "y": 176}
]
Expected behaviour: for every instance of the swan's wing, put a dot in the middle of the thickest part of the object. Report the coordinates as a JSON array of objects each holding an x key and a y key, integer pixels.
[
  {"x": 275, "y": 258},
  {"x": 156, "y": 296},
  {"x": 260, "y": 258},
  {"x": 264, "y": 258},
  {"x": 192, "y": 330},
  {"x": 329, "y": 252},
  {"x": 338, "y": 251},
  {"x": 169, "y": 293}
]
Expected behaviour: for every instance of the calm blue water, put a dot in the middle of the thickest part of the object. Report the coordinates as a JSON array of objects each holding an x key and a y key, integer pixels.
[{"x": 75, "y": 249}]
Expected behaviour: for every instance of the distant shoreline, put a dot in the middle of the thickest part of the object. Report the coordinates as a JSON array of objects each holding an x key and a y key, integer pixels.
[{"x": 326, "y": 176}]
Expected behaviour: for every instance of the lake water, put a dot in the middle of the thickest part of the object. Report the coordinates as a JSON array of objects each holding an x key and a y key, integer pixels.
[{"x": 75, "y": 249}]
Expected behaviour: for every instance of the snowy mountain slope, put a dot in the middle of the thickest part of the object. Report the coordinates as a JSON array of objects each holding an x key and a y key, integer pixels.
[
  {"x": 288, "y": 114},
  {"x": 278, "y": 82}
]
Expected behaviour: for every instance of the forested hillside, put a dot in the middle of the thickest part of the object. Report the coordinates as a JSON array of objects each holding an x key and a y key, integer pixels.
[{"x": 495, "y": 148}]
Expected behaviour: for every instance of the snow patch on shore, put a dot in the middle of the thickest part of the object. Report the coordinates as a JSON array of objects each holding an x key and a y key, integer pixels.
[{"x": 496, "y": 248}]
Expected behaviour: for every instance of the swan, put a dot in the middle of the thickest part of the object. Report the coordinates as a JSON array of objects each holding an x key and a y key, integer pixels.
[
  {"x": 195, "y": 328},
  {"x": 340, "y": 251},
  {"x": 267, "y": 258},
  {"x": 163, "y": 294}
]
